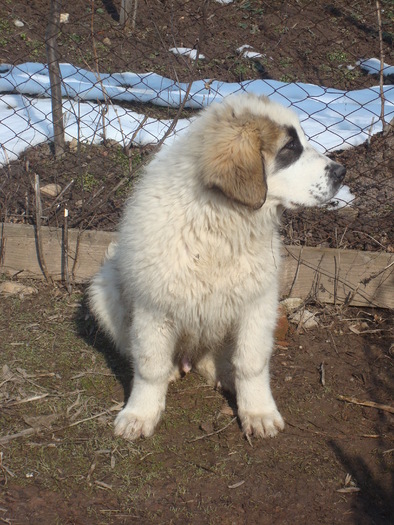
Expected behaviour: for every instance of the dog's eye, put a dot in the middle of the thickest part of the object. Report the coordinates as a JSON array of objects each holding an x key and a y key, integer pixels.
[{"x": 292, "y": 144}]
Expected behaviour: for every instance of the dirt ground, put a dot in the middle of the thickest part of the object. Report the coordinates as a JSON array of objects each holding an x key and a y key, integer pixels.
[
  {"x": 61, "y": 386},
  {"x": 299, "y": 41}
]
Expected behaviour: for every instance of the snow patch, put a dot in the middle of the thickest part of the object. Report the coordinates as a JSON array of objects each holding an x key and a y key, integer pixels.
[
  {"x": 372, "y": 66},
  {"x": 247, "y": 52},
  {"x": 343, "y": 198},
  {"x": 331, "y": 118},
  {"x": 187, "y": 52}
]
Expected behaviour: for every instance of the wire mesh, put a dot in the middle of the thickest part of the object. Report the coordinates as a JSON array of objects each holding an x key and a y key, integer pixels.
[{"x": 126, "y": 89}]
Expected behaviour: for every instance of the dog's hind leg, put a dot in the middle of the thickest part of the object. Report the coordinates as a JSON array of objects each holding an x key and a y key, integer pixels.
[
  {"x": 106, "y": 301},
  {"x": 152, "y": 340},
  {"x": 218, "y": 370}
]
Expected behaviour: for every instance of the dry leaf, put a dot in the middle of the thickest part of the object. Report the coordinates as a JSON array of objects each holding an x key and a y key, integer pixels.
[{"x": 236, "y": 485}]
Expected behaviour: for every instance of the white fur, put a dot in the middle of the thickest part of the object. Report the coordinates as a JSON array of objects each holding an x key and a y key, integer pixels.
[{"x": 194, "y": 275}]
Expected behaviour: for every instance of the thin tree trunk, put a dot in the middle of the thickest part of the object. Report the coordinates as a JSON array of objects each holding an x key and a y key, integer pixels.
[
  {"x": 381, "y": 79},
  {"x": 54, "y": 77}
]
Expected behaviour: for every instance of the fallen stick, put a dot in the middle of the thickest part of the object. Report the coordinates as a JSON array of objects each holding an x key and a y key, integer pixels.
[
  {"x": 28, "y": 399},
  {"x": 212, "y": 433},
  {"x": 23, "y": 433},
  {"x": 81, "y": 421},
  {"x": 372, "y": 404}
]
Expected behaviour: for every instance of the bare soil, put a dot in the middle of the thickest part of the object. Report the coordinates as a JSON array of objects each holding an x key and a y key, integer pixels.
[
  {"x": 61, "y": 385},
  {"x": 299, "y": 41}
]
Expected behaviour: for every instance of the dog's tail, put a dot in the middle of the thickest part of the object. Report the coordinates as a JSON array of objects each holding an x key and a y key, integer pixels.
[{"x": 106, "y": 302}]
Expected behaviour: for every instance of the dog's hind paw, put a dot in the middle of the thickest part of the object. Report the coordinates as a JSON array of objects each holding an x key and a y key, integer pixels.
[
  {"x": 262, "y": 425},
  {"x": 131, "y": 427}
]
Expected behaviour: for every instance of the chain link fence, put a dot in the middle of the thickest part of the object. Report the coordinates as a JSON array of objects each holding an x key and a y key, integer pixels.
[{"x": 128, "y": 87}]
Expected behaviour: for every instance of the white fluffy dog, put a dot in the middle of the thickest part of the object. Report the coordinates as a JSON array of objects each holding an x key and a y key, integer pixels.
[{"x": 194, "y": 275}]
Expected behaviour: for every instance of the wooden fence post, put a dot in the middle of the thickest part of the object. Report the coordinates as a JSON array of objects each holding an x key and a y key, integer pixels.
[{"x": 125, "y": 16}]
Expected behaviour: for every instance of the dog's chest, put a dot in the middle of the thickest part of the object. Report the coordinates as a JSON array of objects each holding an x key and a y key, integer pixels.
[{"x": 221, "y": 272}]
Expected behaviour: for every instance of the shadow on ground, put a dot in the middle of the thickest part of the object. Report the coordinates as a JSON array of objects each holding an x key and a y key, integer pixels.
[
  {"x": 375, "y": 503},
  {"x": 95, "y": 337}
]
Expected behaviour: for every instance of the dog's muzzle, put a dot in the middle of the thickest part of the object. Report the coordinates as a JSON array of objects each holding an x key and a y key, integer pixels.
[{"x": 336, "y": 173}]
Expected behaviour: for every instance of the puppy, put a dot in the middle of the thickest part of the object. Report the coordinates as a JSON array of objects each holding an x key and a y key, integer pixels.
[{"x": 193, "y": 277}]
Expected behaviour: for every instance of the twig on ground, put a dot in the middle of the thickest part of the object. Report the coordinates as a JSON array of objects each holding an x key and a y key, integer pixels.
[
  {"x": 28, "y": 399},
  {"x": 376, "y": 274},
  {"x": 248, "y": 439},
  {"x": 2, "y": 242},
  {"x": 353, "y": 289},
  {"x": 319, "y": 433},
  {"x": 336, "y": 273},
  {"x": 333, "y": 342},
  {"x": 371, "y": 404},
  {"x": 322, "y": 374},
  {"x": 77, "y": 245},
  {"x": 22, "y": 433},
  {"x": 82, "y": 421},
  {"x": 91, "y": 372},
  {"x": 212, "y": 433},
  {"x": 103, "y": 485},
  {"x": 236, "y": 485}
]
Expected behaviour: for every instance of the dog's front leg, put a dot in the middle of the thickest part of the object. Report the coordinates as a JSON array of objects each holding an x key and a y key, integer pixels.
[
  {"x": 256, "y": 406},
  {"x": 152, "y": 344}
]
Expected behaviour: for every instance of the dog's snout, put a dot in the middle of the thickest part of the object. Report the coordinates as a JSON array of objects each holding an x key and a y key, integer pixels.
[{"x": 337, "y": 172}]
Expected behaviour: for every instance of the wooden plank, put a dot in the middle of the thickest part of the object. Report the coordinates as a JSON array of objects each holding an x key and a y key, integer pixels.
[
  {"x": 19, "y": 251},
  {"x": 326, "y": 274},
  {"x": 339, "y": 276}
]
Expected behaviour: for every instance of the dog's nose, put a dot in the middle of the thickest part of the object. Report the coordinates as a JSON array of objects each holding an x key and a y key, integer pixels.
[{"x": 337, "y": 172}]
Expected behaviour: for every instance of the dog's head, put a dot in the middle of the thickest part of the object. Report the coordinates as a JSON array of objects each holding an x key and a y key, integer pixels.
[{"x": 254, "y": 150}]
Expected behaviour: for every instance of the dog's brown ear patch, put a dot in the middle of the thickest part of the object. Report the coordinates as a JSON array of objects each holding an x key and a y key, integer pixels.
[{"x": 233, "y": 163}]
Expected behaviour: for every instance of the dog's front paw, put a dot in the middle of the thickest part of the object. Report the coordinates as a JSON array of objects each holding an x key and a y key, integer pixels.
[
  {"x": 266, "y": 424},
  {"x": 132, "y": 427}
]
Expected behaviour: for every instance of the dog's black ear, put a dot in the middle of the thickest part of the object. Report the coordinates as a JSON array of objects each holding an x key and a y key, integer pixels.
[{"x": 233, "y": 163}]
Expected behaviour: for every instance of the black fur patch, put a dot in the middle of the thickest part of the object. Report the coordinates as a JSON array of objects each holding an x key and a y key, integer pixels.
[{"x": 290, "y": 152}]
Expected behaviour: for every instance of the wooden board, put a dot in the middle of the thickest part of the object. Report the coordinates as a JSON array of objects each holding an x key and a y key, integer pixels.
[
  {"x": 328, "y": 275},
  {"x": 19, "y": 251},
  {"x": 339, "y": 276}
]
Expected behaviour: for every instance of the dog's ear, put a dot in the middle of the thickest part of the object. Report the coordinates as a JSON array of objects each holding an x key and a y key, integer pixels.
[{"x": 232, "y": 162}]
